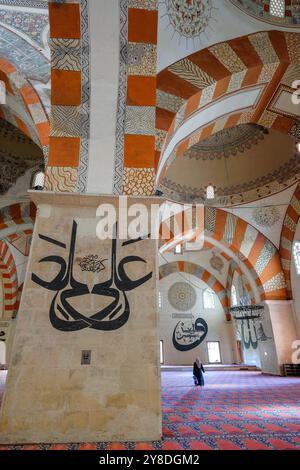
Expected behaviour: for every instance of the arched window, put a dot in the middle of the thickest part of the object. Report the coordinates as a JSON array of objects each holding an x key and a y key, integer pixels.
[
  {"x": 38, "y": 180},
  {"x": 159, "y": 300},
  {"x": 210, "y": 192},
  {"x": 234, "y": 300},
  {"x": 277, "y": 8},
  {"x": 296, "y": 253},
  {"x": 208, "y": 299}
]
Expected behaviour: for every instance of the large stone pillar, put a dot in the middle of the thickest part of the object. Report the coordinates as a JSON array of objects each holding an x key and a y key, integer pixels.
[
  {"x": 280, "y": 334},
  {"x": 84, "y": 300}
]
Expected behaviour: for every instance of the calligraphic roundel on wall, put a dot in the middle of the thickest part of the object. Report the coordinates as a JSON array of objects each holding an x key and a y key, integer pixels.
[{"x": 182, "y": 296}]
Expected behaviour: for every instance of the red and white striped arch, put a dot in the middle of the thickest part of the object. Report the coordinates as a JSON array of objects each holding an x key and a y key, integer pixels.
[
  {"x": 253, "y": 249},
  {"x": 202, "y": 94},
  {"x": 287, "y": 237}
]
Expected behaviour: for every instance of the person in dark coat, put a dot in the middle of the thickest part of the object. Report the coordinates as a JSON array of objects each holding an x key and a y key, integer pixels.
[{"x": 198, "y": 371}]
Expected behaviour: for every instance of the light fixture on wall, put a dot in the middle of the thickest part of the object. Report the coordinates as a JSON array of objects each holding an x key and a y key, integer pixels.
[{"x": 298, "y": 147}]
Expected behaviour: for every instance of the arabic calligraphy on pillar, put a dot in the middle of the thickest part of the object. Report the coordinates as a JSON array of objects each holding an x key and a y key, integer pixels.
[{"x": 63, "y": 316}]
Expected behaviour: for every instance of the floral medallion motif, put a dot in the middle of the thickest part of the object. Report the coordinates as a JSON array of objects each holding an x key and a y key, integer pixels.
[
  {"x": 189, "y": 18},
  {"x": 182, "y": 296},
  {"x": 266, "y": 216},
  {"x": 216, "y": 263}
]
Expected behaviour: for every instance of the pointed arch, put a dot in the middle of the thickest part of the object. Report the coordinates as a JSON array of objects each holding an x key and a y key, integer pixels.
[
  {"x": 256, "y": 251},
  {"x": 34, "y": 121},
  {"x": 202, "y": 274},
  {"x": 208, "y": 83}
]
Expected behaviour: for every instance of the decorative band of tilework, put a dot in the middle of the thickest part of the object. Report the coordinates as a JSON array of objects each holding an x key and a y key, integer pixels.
[
  {"x": 259, "y": 255},
  {"x": 139, "y": 121},
  {"x": 287, "y": 237},
  {"x": 202, "y": 274},
  {"x": 30, "y": 117},
  {"x": 70, "y": 95},
  {"x": 121, "y": 111}
]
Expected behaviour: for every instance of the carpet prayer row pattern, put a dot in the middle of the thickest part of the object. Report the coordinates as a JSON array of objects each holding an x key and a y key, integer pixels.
[{"x": 234, "y": 411}]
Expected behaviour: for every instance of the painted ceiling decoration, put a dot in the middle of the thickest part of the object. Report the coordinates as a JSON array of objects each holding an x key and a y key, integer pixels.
[
  {"x": 216, "y": 263},
  {"x": 188, "y": 18},
  {"x": 266, "y": 216},
  {"x": 18, "y": 153},
  {"x": 229, "y": 142},
  {"x": 273, "y": 164},
  {"x": 253, "y": 249},
  {"x": 24, "y": 31},
  {"x": 200, "y": 273},
  {"x": 201, "y": 95},
  {"x": 287, "y": 12}
]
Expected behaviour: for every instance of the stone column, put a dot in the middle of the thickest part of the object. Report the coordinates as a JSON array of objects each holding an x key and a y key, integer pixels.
[
  {"x": 83, "y": 301},
  {"x": 280, "y": 330}
]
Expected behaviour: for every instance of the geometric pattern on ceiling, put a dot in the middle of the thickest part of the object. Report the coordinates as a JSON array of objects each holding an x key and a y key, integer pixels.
[
  {"x": 287, "y": 237},
  {"x": 253, "y": 249},
  {"x": 261, "y": 10},
  {"x": 268, "y": 60},
  {"x": 231, "y": 142}
]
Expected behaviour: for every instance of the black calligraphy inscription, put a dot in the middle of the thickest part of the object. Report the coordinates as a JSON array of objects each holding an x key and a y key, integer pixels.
[
  {"x": 187, "y": 336},
  {"x": 2, "y": 335},
  {"x": 249, "y": 337},
  {"x": 63, "y": 316},
  {"x": 92, "y": 263}
]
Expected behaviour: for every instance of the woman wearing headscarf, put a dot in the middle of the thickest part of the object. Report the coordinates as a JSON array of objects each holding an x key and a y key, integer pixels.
[{"x": 198, "y": 371}]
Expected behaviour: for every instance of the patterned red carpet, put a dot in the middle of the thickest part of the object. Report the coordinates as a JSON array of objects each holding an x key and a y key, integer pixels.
[{"x": 235, "y": 410}]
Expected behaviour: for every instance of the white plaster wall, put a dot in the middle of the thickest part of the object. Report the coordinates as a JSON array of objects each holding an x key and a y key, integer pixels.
[
  {"x": 2, "y": 353},
  {"x": 104, "y": 34},
  {"x": 295, "y": 279},
  {"x": 218, "y": 328}
]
